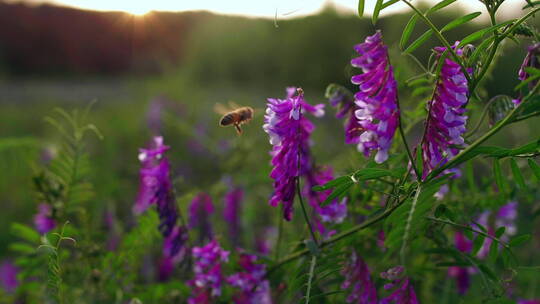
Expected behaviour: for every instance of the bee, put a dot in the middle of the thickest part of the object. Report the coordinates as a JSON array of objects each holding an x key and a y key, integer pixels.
[{"x": 237, "y": 117}]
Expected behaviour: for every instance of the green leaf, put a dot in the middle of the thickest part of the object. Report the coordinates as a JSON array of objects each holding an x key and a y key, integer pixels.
[
  {"x": 419, "y": 41},
  {"x": 408, "y": 31},
  {"x": 387, "y": 4},
  {"x": 487, "y": 271},
  {"x": 501, "y": 182},
  {"x": 338, "y": 192},
  {"x": 500, "y": 231},
  {"x": 480, "y": 49},
  {"x": 460, "y": 21},
  {"x": 373, "y": 173},
  {"x": 526, "y": 82},
  {"x": 481, "y": 33},
  {"x": 24, "y": 232},
  {"x": 519, "y": 240},
  {"x": 535, "y": 168},
  {"x": 23, "y": 248},
  {"x": 333, "y": 183},
  {"x": 361, "y": 4},
  {"x": 440, "y": 5},
  {"x": 376, "y": 11},
  {"x": 477, "y": 244},
  {"x": 420, "y": 90},
  {"x": 517, "y": 174}
]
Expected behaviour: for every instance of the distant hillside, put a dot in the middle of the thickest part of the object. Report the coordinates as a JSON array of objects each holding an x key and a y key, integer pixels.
[{"x": 50, "y": 39}]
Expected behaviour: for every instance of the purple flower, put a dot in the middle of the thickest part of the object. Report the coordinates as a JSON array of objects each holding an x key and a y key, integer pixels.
[
  {"x": 253, "y": 288},
  {"x": 335, "y": 211},
  {"x": 264, "y": 241},
  {"x": 358, "y": 278},
  {"x": 289, "y": 132},
  {"x": 207, "y": 268},
  {"x": 462, "y": 274},
  {"x": 231, "y": 212},
  {"x": 377, "y": 113},
  {"x": 200, "y": 209},
  {"x": 504, "y": 217},
  {"x": 8, "y": 277},
  {"x": 344, "y": 101},
  {"x": 43, "y": 220},
  {"x": 156, "y": 188},
  {"x": 402, "y": 289},
  {"x": 531, "y": 60},
  {"x": 445, "y": 124},
  {"x": 528, "y": 302},
  {"x": 155, "y": 185}
]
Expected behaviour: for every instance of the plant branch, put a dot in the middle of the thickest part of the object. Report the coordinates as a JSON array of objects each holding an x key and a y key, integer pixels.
[
  {"x": 441, "y": 38},
  {"x": 470, "y": 229},
  {"x": 367, "y": 223}
]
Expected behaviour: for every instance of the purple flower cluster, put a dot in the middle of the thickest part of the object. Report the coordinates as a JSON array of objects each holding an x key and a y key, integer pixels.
[
  {"x": 504, "y": 217},
  {"x": 532, "y": 59},
  {"x": 335, "y": 211},
  {"x": 445, "y": 124},
  {"x": 289, "y": 132},
  {"x": 346, "y": 108},
  {"x": 156, "y": 188},
  {"x": 43, "y": 220},
  {"x": 231, "y": 212},
  {"x": 8, "y": 277},
  {"x": 253, "y": 288},
  {"x": 378, "y": 113},
  {"x": 200, "y": 209},
  {"x": 358, "y": 279},
  {"x": 461, "y": 274},
  {"x": 402, "y": 289},
  {"x": 207, "y": 268}
]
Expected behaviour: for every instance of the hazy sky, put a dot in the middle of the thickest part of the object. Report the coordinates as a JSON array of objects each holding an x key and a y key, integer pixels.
[{"x": 260, "y": 8}]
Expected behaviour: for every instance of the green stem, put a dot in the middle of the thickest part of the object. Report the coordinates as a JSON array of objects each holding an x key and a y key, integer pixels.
[
  {"x": 496, "y": 43},
  {"x": 280, "y": 235},
  {"x": 408, "y": 224},
  {"x": 441, "y": 38},
  {"x": 337, "y": 237},
  {"x": 311, "y": 231},
  {"x": 475, "y": 144},
  {"x": 470, "y": 229},
  {"x": 407, "y": 148}
]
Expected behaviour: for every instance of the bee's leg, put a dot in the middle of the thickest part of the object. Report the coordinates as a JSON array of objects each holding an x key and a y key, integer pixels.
[{"x": 238, "y": 129}]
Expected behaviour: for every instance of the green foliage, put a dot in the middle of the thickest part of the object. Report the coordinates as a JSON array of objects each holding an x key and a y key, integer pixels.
[{"x": 409, "y": 217}]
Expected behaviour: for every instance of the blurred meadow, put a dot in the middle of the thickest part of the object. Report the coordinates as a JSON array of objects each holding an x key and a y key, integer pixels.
[{"x": 163, "y": 73}]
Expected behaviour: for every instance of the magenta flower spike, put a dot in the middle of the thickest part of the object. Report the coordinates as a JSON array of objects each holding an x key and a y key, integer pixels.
[
  {"x": 358, "y": 280},
  {"x": 346, "y": 109},
  {"x": 402, "y": 289},
  {"x": 253, "y": 288},
  {"x": 208, "y": 278},
  {"x": 156, "y": 188},
  {"x": 43, "y": 220},
  {"x": 445, "y": 124},
  {"x": 377, "y": 114},
  {"x": 8, "y": 277},
  {"x": 532, "y": 60},
  {"x": 231, "y": 212},
  {"x": 506, "y": 217},
  {"x": 200, "y": 209},
  {"x": 289, "y": 132},
  {"x": 461, "y": 274}
]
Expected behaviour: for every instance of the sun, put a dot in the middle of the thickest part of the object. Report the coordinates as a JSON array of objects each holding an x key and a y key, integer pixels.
[{"x": 138, "y": 10}]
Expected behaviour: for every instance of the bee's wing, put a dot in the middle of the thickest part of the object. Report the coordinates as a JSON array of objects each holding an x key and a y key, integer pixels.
[
  {"x": 220, "y": 109},
  {"x": 233, "y": 105}
]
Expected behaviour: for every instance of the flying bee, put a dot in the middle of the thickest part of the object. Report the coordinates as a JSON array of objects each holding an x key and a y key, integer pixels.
[{"x": 236, "y": 117}]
